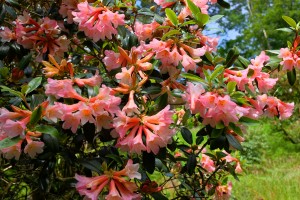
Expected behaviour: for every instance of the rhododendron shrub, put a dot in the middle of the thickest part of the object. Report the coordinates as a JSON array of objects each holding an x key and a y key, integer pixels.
[{"x": 108, "y": 100}]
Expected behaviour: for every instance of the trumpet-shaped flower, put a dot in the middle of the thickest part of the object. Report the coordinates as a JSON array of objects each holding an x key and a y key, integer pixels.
[{"x": 119, "y": 187}]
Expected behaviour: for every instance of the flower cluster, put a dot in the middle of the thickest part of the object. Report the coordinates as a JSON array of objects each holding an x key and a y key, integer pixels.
[
  {"x": 289, "y": 59},
  {"x": 97, "y": 23},
  {"x": 118, "y": 186},
  {"x": 155, "y": 128},
  {"x": 44, "y": 37}
]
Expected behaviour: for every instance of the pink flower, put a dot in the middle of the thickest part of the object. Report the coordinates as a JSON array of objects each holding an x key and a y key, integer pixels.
[
  {"x": 207, "y": 163},
  {"x": 71, "y": 121},
  {"x": 33, "y": 147},
  {"x": 97, "y": 23},
  {"x": 145, "y": 31},
  {"x": 118, "y": 186},
  {"x": 66, "y": 9},
  {"x": 15, "y": 128},
  {"x": 7, "y": 35},
  {"x": 62, "y": 88},
  {"x": 112, "y": 60},
  {"x": 93, "y": 81},
  {"x": 223, "y": 192},
  {"x": 132, "y": 170},
  {"x": 12, "y": 151},
  {"x": 131, "y": 108},
  {"x": 155, "y": 128}
]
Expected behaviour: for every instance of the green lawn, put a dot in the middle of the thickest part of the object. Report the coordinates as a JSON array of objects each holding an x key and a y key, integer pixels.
[{"x": 277, "y": 177}]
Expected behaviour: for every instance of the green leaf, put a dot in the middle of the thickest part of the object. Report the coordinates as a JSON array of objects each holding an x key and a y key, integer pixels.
[
  {"x": 232, "y": 55},
  {"x": 25, "y": 61},
  {"x": 33, "y": 84},
  {"x": 36, "y": 116},
  {"x": 243, "y": 61},
  {"x": 290, "y": 21},
  {"x": 93, "y": 165},
  {"x": 207, "y": 75},
  {"x": 11, "y": 11},
  {"x": 187, "y": 135},
  {"x": 288, "y": 30},
  {"x": 277, "y": 52},
  {"x": 149, "y": 162},
  {"x": 8, "y": 142},
  {"x": 291, "y": 75},
  {"x": 231, "y": 87},
  {"x": 233, "y": 142},
  {"x": 217, "y": 71},
  {"x": 170, "y": 33},
  {"x": 247, "y": 120},
  {"x": 158, "y": 196},
  {"x": 193, "y": 77},
  {"x": 16, "y": 93},
  {"x": 235, "y": 128},
  {"x": 194, "y": 9},
  {"x": 202, "y": 19},
  {"x": 224, "y": 4},
  {"x": 216, "y": 133},
  {"x": 172, "y": 16},
  {"x": 191, "y": 164},
  {"x": 215, "y": 18},
  {"x": 48, "y": 130}
]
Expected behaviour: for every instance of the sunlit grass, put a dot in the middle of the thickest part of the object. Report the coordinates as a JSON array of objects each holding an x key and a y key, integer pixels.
[{"x": 277, "y": 177}]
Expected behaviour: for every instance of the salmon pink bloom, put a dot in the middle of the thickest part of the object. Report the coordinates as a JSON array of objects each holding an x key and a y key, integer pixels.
[
  {"x": 155, "y": 128},
  {"x": 145, "y": 31},
  {"x": 93, "y": 81},
  {"x": 62, "y": 88},
  {"x": 66, "y": 9},
  {"x": 7, "y": 35},
  {"x": 112, "y": 60},
  {"x": 13, "y": 151},
  {"x": 33, "y": 147},
  {"x": 97, "y": 23},
  {"x": 15, "y": 128},
  {"x": 223, "y": 192},
  {"x": 207, "y": 163},
  {"x": 119, "y": 187}
]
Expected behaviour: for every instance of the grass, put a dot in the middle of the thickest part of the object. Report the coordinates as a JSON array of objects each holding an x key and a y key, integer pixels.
[{"x": 277, "y": 177}]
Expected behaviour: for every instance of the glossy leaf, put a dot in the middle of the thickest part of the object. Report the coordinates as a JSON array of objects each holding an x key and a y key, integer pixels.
[
  {"x": 48, "y": 129},
  {"x": 33, "y": 84},
  {"x": 172, "y": 16},
  {"x": 191, "y": 164},
  {"x": 290, "y": 21},
  {"x": 233, "y": 142},
  {"x": 187, "y": 135},
  {"x": 8, "y": 142},
  {"x": 291, "y": 75}
]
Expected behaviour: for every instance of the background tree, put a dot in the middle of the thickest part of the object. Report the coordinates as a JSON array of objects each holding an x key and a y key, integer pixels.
[{"x": 255, "y": 23}]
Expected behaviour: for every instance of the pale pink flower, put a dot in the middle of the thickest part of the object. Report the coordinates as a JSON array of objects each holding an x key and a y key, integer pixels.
[
  {"x": 13, "y": 151},
  {"x": 132, "y": 170},
  {"x": 145, "y": 31},
  {"x": 118, "y": 186},
  {"x": 97, "y": 23},
  {"x": 7, "y": 35},
  {"x": 62, "y": 88},
  {"x": 207, "y": 163},
  {"x": 15, "y": 128},
  {"x": 112, "y": 60},
  {"x": 33, "y": 147},
  {"x": 131, "y": 108},
  {"x": 71, "y": 121},
  {"x": 93, "y": 81},
  {"x": 223, "y": 192},
  {"x": 155, "y": 128},
  {"x": 66, "y": 9}
]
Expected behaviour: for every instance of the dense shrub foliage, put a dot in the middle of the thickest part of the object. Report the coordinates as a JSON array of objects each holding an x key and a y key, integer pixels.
[{"x": 111, "y": 100}]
